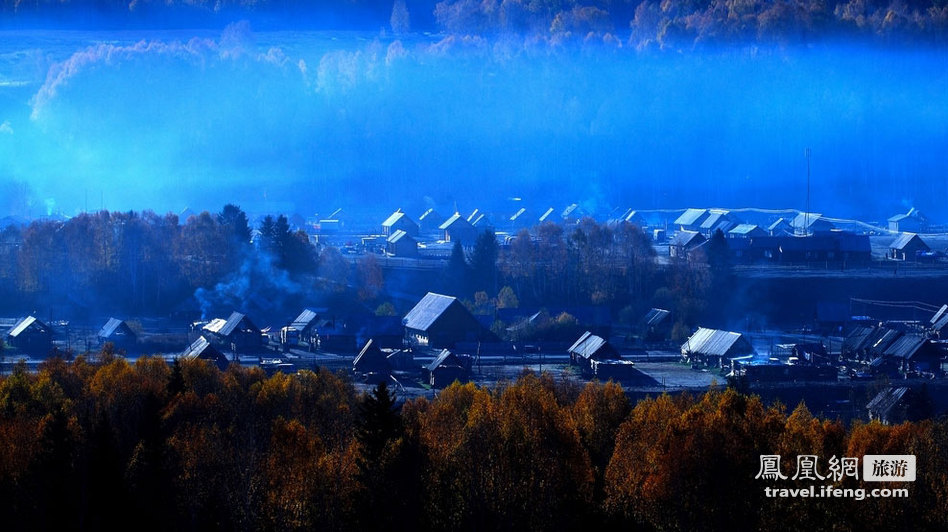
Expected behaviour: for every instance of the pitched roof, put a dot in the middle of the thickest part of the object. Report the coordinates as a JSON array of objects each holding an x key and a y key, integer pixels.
[
  {"x": 371, "y": 357},
  {"x": 427, "y": 311},
  {"x": 111, "y": 327},
  {"x": 716, "y": 217},
  {"x": 745, "y": 229},
  {"x": 905, "y": 239},
  {"x": 691, "y": 216},
  {"x": 24, "y": 324},
  {"x": 590, "y": 345},
  {"x": 655, "y": 316},
  {"x": 446, "y": 359},
  {"x": 393, "y": 219},
  {"x": 305, "y": 319},
  {"x": 857, "y": 339},
  {"x": 940, "y": 319},
  {"x": 781, "y": 223},
  {"x": 200, "y": 348},
  {"x": 906, "y": 346},
  {"x": 687, "y": 238},
  {"x": 886, "y": 400},
  {"x": 456, "y": 220},
  {"x": 399, "y": 235},
  {"x": 806, "y": 220},
  {"x": 715, "y": 343},
  {"x": 228, "y": 326}
]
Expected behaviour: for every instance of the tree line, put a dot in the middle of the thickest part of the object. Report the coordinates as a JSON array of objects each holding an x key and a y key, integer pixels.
[
  {"x": 151, "y": 265},
  {"x": 674, "y": 23},
  {"x": 142, "y": 262},
  {"x": 186, "y": 446}
]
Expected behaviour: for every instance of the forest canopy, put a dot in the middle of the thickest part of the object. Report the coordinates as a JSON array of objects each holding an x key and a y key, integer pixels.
[
  {"x": 185, "y": 446},
  {"x": 636, "y": 23}
]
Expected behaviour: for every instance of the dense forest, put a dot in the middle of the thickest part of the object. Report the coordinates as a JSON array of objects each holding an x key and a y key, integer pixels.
[
  {"x": 188, "y": 447},
  {"x": 636, "y": 22},
  {"x": 150, "y": 265}
]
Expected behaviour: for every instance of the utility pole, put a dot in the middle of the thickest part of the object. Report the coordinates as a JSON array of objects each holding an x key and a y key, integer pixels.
[{"x": 806, "y": 216}]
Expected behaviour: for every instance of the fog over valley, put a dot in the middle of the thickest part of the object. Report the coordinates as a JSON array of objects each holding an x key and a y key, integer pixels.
[{"x": 291, "y": 121}]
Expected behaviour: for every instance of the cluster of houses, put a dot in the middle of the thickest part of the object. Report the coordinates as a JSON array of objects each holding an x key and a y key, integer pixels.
[{"x": 892, "y": 350}]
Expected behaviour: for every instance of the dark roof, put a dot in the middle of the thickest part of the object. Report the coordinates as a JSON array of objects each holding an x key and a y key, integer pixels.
[
  {"x": 907, "y": 346},
  {"x": 883, "y": 338},
  {"x": 687, "y": 239},
  {"x": 370, "y": 357},
  {"x": 589, "y": 345},
  {"x": 428, "y": 310},
  {"x": 857, "y": 339},
  {"x": 886, "y": 400},
  {"x": 716, "y": 343},
  {"x": 24, "y": 324},
  {"x": 655, "y": 316},
  {"x": 446, "y": 359}
]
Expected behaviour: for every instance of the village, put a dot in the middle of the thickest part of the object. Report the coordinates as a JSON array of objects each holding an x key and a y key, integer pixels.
[{"x": 847, "y": 357}]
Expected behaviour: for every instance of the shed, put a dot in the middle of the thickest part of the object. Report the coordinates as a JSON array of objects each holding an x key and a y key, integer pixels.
[
  {"x": 715, "y": 348},
  {"x": 236, "y": 332},
  {"x": 204, "y": 350},
  {"x": 915, "y": 352},
  {"x": 402, "y": 360},
  {"x": 683, "y": 242},
  {"x": 441, "y": 321},
  {"x": 890, "y": 406},
  {"x": 119, "y": 333},
  {"x": 430, "y": 220},
  {"x": 31, "y": 336},
  {"x": 458, "y": 229},
  {"x": 656, "y": 325},
  {"x": 399, "y": 221},
  {"x": 305, "y": 325},
  {"x": 746, "y": 231},
  {"x": 588, "y": 348},
  {"x": 401, "y": 244},
  {"x": 371, "y": 363},
  {"x": 907, "y": 246},
  {"x": 446, "y": 368}
]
